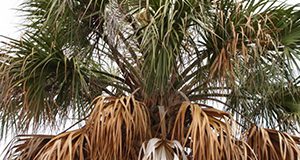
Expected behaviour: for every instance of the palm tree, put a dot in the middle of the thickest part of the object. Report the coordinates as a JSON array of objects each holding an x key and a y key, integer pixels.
[{"x": 159, "y": 79}]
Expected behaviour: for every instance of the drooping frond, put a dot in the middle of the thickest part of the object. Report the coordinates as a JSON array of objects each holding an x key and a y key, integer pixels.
[
  {"x": 26, "y": 147},
  {"x": 115, "y": 129},
  {"x": 162, "y": 149},
  {"x": 69, "y": 145},
  {"x": 271, "y": 144},
  {"x": 208, "y": 135},
  {"x": 242, "y": 55},
  {"x": 118, "y": 127},
  {"x": 40, "y": 81}
]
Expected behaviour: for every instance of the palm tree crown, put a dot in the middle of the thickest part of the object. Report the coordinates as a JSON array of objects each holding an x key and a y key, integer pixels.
[{"x": 148, "y": 76}]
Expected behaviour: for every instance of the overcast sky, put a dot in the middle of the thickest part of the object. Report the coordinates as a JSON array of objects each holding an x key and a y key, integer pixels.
[
  {"x": 9, "y": 22},
  {"x": 9, "y": 18}
]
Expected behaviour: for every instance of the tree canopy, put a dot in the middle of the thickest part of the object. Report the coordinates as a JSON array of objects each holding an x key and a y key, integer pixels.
[{"x": 185, "y": 79}]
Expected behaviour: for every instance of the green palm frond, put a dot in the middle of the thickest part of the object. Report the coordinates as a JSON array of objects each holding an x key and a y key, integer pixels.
[
  {"x": 41, "y": 80},
  {"x": 179, "y": 59}
]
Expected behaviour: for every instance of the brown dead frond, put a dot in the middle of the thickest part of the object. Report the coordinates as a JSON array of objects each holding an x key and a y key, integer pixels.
[
  {"x": 208, "y": 134},
  {"x": 118, "y": 127},
  {"x": 67, "y": 146},
  {"x": 272, "y": 144},
  {"x": 26, "y": 147},
  {"x": 156, "y": 149}
]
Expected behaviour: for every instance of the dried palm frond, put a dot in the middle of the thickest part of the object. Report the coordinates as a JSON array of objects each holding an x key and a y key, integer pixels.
[
  {"x": 26, "y": 147},
  {"x": 208, "y": 135},
  {"x": 68, "y": 146},
  {"x": 156, "y": 149},
  {"x": 118, "y": 127},
  {"x": 233, "y": 52},
  {"x": 272, "y": 144}
]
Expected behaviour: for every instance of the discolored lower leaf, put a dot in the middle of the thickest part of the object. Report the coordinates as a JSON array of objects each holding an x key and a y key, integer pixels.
[{"x": 272, "y": 144}]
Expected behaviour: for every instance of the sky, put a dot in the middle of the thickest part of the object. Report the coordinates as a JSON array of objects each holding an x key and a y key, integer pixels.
[
  {"x": 9, "y": 19},
  {"x": 9, "y": 26}
]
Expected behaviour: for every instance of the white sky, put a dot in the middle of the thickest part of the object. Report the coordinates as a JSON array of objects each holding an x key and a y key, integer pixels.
[
  {"x": 8, "y": 27},
  {"x": 9, "y": 18}
]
